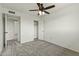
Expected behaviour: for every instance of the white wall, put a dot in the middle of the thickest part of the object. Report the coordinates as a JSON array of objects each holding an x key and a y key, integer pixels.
[
  {"x": 62, "y": 27},
  {"x": 27, "y": 28},
  {"x": 1, "y": 31}
]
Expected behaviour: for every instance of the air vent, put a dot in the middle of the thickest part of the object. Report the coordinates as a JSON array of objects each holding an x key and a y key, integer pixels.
[{"x": 12, "y": 12}]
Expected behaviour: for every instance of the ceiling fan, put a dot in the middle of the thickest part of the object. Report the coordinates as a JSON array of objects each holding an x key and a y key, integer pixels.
[{"x": 42, "y": 9}]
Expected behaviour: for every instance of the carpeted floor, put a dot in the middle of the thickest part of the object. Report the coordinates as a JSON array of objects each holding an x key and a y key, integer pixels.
[{"x": 36, "y": 48}]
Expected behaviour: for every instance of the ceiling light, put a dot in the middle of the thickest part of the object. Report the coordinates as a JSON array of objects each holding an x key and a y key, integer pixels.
[
  {"x": 43, "y": 13},
  {"x": 40, "y": 13}
]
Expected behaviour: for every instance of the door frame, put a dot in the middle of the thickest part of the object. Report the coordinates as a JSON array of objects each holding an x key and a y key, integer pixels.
[{"x": 4, "y": 17}]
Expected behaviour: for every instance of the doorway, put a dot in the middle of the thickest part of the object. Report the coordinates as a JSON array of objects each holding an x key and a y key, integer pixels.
[
  {"x": 35, "y": 30},
  {"x": 11, "y": 26}
]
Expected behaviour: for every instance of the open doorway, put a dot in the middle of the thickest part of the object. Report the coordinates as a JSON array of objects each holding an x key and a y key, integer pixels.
[
  {"x": 11, "y": 26},
  {"x": 35, "y": 30}
]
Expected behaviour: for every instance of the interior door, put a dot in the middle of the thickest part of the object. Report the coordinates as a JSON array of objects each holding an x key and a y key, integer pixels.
[
  {"x": 35, "y": 29},
  {"x": 12, "y": 30},
  {"x": 9, "y": 29}
]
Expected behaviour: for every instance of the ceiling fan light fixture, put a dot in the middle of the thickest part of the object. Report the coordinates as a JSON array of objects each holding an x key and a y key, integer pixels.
[
  {"x": 42, "y": 10},
  {"x": 43, "y": 13},
  {"x": 40, "y": 13}
]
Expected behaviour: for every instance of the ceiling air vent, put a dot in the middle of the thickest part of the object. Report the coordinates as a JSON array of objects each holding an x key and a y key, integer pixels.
[{"x": 12, "y": 12}]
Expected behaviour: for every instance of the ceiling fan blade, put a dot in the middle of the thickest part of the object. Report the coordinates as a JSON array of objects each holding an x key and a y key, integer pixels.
[
  {"x": 49, "y": 7},
  {"x": 46, "y": 12},
  {"x": 38, "y": 5},
  {"x": 42, "y": 7},
  {"x": 34, "y": 10}
]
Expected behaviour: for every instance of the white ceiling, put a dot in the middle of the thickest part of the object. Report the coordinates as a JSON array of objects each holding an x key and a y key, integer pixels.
[{"x": 24, "y": 7}]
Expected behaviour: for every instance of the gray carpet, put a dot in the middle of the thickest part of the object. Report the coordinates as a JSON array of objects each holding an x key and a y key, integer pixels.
[{"x": 36, "y": 48}]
